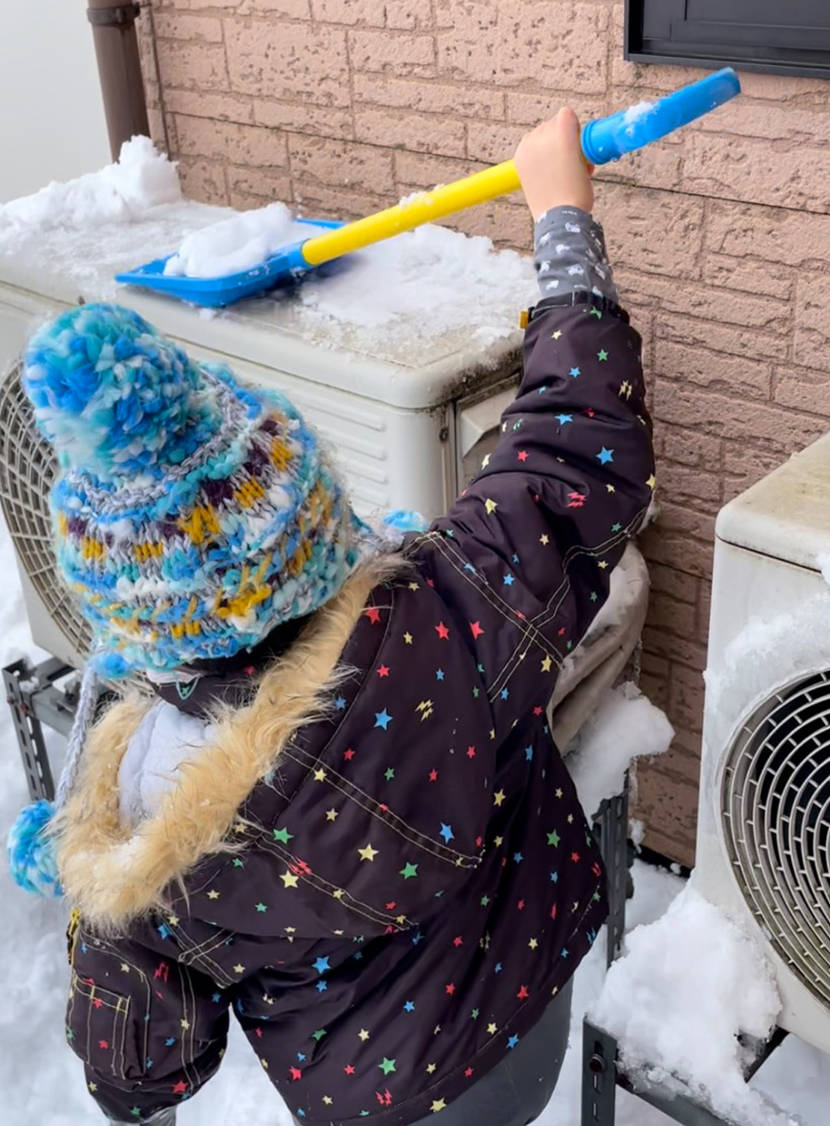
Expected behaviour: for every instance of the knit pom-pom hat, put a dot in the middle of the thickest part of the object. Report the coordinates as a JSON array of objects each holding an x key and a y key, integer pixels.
[{"x": 192, "y": 514}]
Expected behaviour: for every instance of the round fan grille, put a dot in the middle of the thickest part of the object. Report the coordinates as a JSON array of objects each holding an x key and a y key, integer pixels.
[
  {"x": 27, "y": 469},
  {"x": 775, "y": 804}
]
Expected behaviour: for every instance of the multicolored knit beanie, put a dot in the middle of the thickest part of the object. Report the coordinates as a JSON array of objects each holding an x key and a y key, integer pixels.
[{"x": 192, "y": 514}]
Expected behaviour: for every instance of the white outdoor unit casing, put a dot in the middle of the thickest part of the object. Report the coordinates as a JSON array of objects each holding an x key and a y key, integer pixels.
[{"x": 763, "y": 843}]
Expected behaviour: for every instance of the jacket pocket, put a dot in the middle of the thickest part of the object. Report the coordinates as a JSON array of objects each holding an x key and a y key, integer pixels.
[{"x": 102, "y": 1029}]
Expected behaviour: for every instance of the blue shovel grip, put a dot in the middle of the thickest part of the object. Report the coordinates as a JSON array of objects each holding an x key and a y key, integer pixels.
[{"x": 611, "y": 137}]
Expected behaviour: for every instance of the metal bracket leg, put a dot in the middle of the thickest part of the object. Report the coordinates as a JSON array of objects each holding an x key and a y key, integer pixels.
[
  {"x": 29, "y": 732},
  {"x": 614, "y": 847},
  {"x": 599, "y": 1077}
]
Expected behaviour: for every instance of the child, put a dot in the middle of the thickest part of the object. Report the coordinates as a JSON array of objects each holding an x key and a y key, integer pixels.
[{"x": 341, "y": 816}]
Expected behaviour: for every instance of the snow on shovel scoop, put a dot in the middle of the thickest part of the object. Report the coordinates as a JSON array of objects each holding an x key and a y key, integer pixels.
[{"x": 603, "y": 140}]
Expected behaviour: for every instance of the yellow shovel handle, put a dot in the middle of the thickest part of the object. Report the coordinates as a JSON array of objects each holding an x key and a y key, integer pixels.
[{"x": 425, "y": 208}]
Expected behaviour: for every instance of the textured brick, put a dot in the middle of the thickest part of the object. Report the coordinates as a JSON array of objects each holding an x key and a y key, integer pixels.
[
  {"x": 716, "y": 414},
  {"x": 754, "y": 170},
  {"x": 812, "y": 319},
  {"x": 238, "y": 144},
  {"x": 791, "y": 237},
  {"x": 668, "y": 581},
  {"x": 668, "y": 806},
  {"x": 304, "y": 119},
  {"x": 532, "y": 109},
  {"x": 671, "y": 614},
  {"x": 493, "y": 143},
  {"x": 193, "y": 66},
  {"x": 506, "y": 224},
  {"x": 686, "y": 698},
  {"x": 219, "y": 107},
  {"x": 632, "y": 219},
  {"x": 730, "y": 374},
  {"x": 340, "y": 164},
  {"x": 401, "y": 55},
  {"x": 296, "y": 9},
  {"x": 203, "y": 180},
  {"x": 793, "y": 123},
  {"x": 409, "y": 14},
  {"x": 670, "y": 647},
  {"x": 398, "y": 128},
  {"x": 704, "y": 611},
  {"x": 289, "y": 61},
  {"x": 702, "y": 300},
  {"x": 560, "y": 46},
  {"x": 350, "y": 12},
  {"x": 683, "y": 540},
  {"x": 758, "y": 345},
  {"x": 694, "y": 487},
  {"x": 750, "y": 275},
  {"x": 802, "y": 388},
  {"x": 195, "y": 29},
  {"x": 266, "y": 185},
  {"x": 686, "y": 447},
  {"x": 323, "y": 201},
  {"x": 418, "y": 170},
  {"x": 427, "y": 97}
]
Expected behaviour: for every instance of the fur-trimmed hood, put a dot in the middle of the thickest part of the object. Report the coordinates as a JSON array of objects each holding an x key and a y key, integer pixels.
[{"x": 114, "y": 874}]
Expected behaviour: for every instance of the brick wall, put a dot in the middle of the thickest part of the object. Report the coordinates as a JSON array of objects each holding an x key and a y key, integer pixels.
[{"x": 721, "y": 234}]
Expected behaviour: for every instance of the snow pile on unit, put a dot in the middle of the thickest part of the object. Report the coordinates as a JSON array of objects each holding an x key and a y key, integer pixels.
[
  {"x": 441, "y": 277},
  {"x": 625, "y": 726},
  {"x": 767, "y": 654},
  {"x": 385, "y": 301},
  {"x": 142, "y": 179},
  {"x": 235, "y": 244},
  {"x": 687, "y": 987}
]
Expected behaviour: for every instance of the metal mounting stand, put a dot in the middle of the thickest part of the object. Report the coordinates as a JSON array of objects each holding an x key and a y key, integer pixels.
[
  {"x": 34, "y": 700},
  {"x": 612, "y": 822},
  {"x": 602, "y": 1074}
]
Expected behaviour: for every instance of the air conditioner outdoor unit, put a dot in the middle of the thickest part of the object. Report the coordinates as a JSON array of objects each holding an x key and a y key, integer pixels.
[
  {"x": 763, "y": 852},
  {"x": 409, "y": 428}
]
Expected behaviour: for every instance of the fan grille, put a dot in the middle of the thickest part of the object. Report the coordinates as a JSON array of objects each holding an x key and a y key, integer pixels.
[
  {"x": 775, "y": 803},
  {"x": 27, "y": 469}
]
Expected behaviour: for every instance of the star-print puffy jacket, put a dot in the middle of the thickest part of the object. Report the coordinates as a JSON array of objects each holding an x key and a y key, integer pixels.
[{"x": 379, "y": 864}]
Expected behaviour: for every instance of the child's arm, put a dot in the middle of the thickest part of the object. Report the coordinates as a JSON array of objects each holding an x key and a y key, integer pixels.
[{"x": 524, "y": 557}]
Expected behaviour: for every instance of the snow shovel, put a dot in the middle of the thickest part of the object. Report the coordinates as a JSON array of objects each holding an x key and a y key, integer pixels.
[{"x": 603, "y": 140}]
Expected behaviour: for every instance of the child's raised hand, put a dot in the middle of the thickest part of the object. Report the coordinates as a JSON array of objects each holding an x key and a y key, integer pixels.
[{"x": 553, "y": 171}]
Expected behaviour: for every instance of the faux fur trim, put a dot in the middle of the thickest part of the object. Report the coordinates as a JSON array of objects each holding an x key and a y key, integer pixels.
[{"x": 115, "y": 876}]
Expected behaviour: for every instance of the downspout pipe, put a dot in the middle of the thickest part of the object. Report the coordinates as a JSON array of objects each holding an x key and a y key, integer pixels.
[{"x": 119, "y": 69}]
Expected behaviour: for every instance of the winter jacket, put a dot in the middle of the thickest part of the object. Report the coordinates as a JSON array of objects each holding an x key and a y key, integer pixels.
[{"x": 379, "y": 864}]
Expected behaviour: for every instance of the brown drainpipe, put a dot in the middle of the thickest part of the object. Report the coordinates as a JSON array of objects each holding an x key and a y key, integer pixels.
[{"x": 119, "y": 68}]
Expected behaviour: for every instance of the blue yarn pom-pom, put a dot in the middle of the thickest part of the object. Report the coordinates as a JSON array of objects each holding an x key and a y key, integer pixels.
[
  {"x": 405, "y": 521},
  {"x": 113, "y": 396},
  {"x": 32, "y": 859}
]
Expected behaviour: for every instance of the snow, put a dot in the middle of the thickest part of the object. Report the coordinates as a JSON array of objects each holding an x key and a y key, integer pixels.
[
  {"x": 140, "y": 180},
  {"x": 634, "y": 113},
  {"x": 687, "y": 986},
  {"x": 236, "y": 244},
  {"x": 421, "y": 295},
  {"x": 626, "y": 726}
]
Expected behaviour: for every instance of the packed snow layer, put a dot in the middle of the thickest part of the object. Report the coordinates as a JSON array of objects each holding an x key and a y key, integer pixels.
[
  {"x": 625, "y": 727},
  {"x": 687, "y": 987},
  {"x": 394, "y": 301},
  {"x": 236, "y": 244}
]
